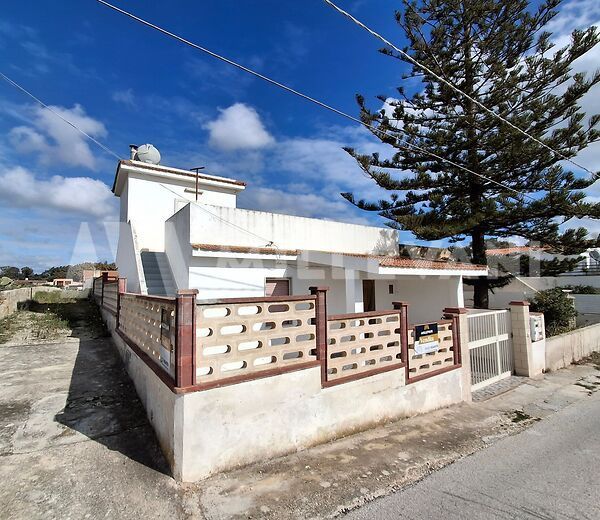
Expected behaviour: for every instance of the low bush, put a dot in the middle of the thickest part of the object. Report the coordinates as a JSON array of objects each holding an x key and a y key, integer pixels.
[
  {"x": 559, "y": 310},
  {"x": 583, "y": 289}
]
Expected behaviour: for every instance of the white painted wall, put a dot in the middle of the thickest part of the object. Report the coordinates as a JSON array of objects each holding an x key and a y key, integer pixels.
[
  {"x": 148, "y": 204},
  {"x": 178, "y": 248},
  {"x": 240, "y": 424},
  {"x": 517, "y": 290},
  {"x": 427, "y": 295},
  {"x": 128, "y": 263},
  {"x": 221, "y": 226},
  {"x": 564, "y": 349}
]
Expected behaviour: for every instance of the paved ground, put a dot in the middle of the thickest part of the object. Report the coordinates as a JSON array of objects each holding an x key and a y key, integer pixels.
[
  {"x": 75, "y": 442},
  {"x": 551, "y": 471},
  {"x": 498, "y": 388},
  {"x": 74, "y": 439}
]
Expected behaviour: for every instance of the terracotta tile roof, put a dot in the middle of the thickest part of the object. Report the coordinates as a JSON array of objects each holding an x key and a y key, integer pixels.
[
  {"x": 384, "y": 261},
  {"x": 514, "y": 250}
]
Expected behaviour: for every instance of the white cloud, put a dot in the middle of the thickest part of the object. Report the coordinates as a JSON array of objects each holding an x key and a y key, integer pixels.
[
  {"x": 238, "y": 127},
  {"x": 54, "y": 140},
  {"x": 125, "y": 97},
  {"x": 79, "y": 195},
  {"x": 305, "y": 204}
]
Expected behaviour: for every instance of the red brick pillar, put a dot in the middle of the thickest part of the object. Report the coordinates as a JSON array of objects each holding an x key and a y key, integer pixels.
[
  {"x": 460, "y": 339},
  {"x": 321, "y": 328},
  {"x": 454, "y": 313},
  {"x": 122, "y": 288},
  {"x": 403, "y": 308},
  {"x": 185, "y": 342}
]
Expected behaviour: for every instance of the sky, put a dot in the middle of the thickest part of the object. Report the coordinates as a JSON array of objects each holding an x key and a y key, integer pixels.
[{"x": 123, "y": 83}]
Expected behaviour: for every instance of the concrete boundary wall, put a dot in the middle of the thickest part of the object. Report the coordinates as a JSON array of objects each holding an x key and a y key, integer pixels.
[
  {"x": 205, "y": 432},
  {"x": 564, "y": 349},
  {"x": 163, "y": 407},
  {"x": 232, "y": 426},
  {"x": 9, "y": 300}
]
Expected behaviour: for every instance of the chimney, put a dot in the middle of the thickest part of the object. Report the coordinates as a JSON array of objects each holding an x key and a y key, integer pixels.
[{"x": 132, "y": 151}]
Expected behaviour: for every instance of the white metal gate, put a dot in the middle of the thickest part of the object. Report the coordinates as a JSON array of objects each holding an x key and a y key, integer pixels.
[{"x": 490, "y": 347}]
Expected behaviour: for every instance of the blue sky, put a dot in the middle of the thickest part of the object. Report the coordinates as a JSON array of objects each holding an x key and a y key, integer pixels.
[{"x": 124, "y": 83}]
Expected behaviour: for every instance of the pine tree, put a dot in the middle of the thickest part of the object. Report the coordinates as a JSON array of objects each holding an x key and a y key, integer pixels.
[{"x": 498, "y": 53}]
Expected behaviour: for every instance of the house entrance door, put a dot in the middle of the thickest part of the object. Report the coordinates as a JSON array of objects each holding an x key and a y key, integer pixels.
[{"x": 369, "y": 295}]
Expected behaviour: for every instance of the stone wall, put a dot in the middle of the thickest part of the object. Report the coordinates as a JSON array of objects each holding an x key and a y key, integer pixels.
[{"x": 9, "y": 300}]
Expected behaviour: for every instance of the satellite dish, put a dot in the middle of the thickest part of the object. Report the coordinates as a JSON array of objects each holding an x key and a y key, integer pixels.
[
  {"x": 595, "y": 255},
  {"x": 148, "y": 154}
]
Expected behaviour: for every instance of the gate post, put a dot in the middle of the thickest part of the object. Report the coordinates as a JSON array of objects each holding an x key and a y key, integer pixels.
[
  {"x": 460, "y": 340},
  {"x": 321, "y": 328},
  {"x": 403, "y": 308},
  {"x": 121, "y": 288},
  {"x": 104, "y": 280},
  {"x": 525, "y": 361},
  {"x": 185, "y": 338}
]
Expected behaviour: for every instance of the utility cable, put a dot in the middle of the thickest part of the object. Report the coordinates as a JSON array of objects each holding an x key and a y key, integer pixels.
[
  {"x": 70, "y": 123},
  {"x": 455, "y": 88},
  {"x": 405, "y": 146}
]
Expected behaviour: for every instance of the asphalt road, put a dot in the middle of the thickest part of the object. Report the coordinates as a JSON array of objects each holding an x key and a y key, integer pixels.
[{"x": 550, "y": 471}]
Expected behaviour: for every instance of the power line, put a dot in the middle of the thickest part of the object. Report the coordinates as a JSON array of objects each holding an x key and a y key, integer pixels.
[
  {"x": 22, "y": 89},
  {"x": 456, "y": 89},
  {"x": 405, "y": 146}
]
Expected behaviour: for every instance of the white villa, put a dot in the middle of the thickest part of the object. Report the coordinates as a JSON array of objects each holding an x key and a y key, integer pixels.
[{"x": 183, "y": 230}]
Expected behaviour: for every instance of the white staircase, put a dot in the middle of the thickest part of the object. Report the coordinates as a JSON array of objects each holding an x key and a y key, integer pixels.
[{"x": 159, "y": 278}]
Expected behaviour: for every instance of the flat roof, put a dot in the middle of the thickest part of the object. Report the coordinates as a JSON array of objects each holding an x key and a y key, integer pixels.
[
  {"x": 174, "y": 171},
  {"x": 382, "y": 260}
]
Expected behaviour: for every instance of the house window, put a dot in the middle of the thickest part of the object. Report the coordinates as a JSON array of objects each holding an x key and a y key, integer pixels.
[
  {"x": 391, "y": 288},
  {"x": 277, "y": 287}
]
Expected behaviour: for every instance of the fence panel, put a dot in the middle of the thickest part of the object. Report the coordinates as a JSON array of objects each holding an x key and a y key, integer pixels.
[
  {"x": 149, "y": 323},
  {"x": 244, "y": 337},
  {"x": 360, "y": 344},
  {"x": 490, "y": 348},
  {"x": 421, "y": 365},
  {"x": 111, "y": 292},
  {"x": 97, "y": 288}
]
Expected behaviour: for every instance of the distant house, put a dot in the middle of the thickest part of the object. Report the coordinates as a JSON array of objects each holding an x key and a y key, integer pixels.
[
  {"x": 183, "y": 230},
  {"x": 62, "y": 282}
]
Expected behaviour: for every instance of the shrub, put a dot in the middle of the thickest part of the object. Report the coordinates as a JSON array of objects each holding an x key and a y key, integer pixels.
[
  {"x": 559, "y": 310},
  {"x": 583, "y": 289}
]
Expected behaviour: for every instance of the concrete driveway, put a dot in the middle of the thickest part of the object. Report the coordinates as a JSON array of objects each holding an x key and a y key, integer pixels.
[{"x": 74, "y": 439}]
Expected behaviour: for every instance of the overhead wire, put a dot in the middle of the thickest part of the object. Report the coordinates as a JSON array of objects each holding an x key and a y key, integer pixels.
[
  {"x": 57, "y": 114},
  {"x": 404, "y": 146},
  {"x": 455, "y": 88}
]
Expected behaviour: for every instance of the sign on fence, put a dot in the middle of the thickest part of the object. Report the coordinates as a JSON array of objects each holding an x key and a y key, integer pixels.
[
  {"x": 426, "y": 338},
  {"x": 166, "y": 339}
]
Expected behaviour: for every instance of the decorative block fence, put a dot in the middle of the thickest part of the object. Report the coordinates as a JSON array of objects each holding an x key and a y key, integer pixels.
[
  {"x": 233, "y": 381},
  {"x": 198, "y": 345}
]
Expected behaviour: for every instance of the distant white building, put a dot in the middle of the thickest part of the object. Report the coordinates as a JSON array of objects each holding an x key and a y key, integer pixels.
[{"x": 182, "y": 230}]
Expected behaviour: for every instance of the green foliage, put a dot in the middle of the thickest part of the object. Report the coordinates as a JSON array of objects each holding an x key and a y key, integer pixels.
[
  {"x": 559, "y": 310},
  {"x": 499, "y": 53},
  {"x": 5, "y": 281},
  {"x": 26, "y": 272},
  {"x": 10, "y": 271},
  {"x": 583, "y": 289}
]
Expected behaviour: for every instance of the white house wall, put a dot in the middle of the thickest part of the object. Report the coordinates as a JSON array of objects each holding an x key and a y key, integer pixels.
[
  {"x": 225, "y": 226},
  {"x": 126, "y": 258},
  {"x": 178, "y": 248},
  {"x": 217, "y": 278},
  {"x": 149, "y": 204}
]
